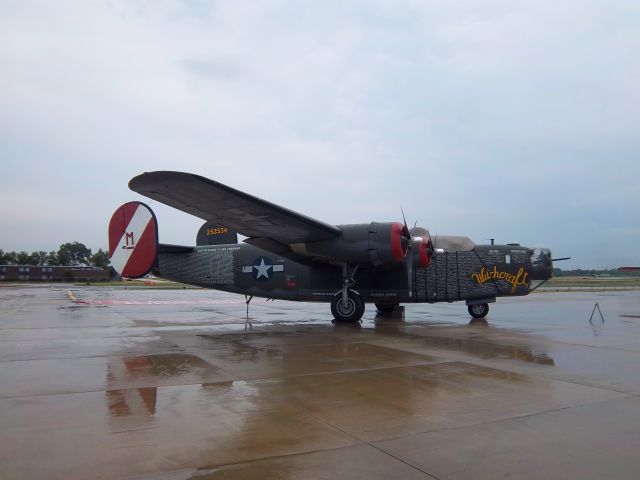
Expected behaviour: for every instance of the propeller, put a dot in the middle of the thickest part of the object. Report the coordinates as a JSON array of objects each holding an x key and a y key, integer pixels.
[
  {"x": 409, "y": 258},
  {"x": 408, "y": 245},
  {"x": 431, "y": 246},
  {"x": 426, "y": 236},
  {"x": 406, "y": 234}
]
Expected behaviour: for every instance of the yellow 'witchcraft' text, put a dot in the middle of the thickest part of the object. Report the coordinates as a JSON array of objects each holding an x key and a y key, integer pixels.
[{"x": 519, "y": 278}]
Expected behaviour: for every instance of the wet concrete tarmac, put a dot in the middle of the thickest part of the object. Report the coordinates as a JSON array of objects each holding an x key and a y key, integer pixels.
[{"x": 171, "y": 384}]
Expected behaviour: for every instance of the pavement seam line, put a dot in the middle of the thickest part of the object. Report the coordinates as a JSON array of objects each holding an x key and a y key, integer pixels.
[
  {"x": 515, "y": 417},
  {"x": 370, "y": 444}
]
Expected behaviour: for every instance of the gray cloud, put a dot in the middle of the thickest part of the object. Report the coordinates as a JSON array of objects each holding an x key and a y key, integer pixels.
[{"x": 513, "y": 120}]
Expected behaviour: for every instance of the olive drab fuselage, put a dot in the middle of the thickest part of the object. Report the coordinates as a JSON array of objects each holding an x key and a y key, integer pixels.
[{"x": 486, "y": 272}]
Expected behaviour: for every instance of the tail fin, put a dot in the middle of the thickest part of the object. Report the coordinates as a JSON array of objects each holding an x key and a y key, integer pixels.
[
  {"x": 212, "y": 233},
  {"x": 133, "y": 240}
]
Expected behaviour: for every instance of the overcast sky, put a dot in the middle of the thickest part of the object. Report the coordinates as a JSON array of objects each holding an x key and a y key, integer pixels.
[{"x": 518, "y": 120}]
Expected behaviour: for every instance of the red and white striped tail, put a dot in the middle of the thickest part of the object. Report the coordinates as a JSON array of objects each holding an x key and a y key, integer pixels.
[{"x": 133, "y": 240}]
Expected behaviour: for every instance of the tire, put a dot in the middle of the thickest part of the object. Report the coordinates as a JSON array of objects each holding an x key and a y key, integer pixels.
[
  {"x": 386, "y": 307},
  {"x": 352, "y": 311},
  {"x": 479, "y": 310}
]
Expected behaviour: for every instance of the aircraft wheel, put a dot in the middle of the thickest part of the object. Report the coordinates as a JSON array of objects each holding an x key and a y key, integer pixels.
[
  {"x": 349, "y": 311},
  {"x": 386, "y": 307},
  {"x": 479, "y": 310}
]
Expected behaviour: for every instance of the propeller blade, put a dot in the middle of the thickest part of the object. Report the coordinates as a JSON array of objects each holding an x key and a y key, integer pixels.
[
  {"x": 409, "y": 260},
  {"x": 431, "y": 246},
  {"x": 406, "y": 234},
  {"x": 403, "y": 217}
]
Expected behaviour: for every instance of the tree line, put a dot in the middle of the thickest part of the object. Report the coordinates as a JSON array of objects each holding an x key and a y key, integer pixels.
[
  {"x": 72, "y": 253},
  {"x": 613, "y": 272}
]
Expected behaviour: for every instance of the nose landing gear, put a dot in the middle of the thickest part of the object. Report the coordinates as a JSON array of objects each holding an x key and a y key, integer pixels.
[{"x": 478, "y": 310}]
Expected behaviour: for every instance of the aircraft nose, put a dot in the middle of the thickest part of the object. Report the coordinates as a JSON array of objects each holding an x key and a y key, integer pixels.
[{"x": 541, "y": 263}]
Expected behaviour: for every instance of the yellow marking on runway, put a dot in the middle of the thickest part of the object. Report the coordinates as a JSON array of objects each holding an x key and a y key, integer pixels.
[{"x": 71, "y": 296}]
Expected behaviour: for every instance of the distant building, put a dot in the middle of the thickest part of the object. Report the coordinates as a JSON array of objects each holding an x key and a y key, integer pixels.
[
  {"x": 629, "y": 269},
  {"x": 30, "y": 273}
]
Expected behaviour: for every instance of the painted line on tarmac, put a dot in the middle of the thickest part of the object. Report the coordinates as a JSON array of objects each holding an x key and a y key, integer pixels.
[{"x": 73, "y": 298}]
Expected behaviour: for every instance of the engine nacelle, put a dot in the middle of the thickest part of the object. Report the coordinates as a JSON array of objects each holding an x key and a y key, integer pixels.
[
  {"x": 376, "y": 244},
  {"x": 422, "y": 248}
]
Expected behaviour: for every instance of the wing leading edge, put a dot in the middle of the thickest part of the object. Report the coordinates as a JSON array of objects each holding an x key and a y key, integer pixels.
[{"x": 251, "y": 216}]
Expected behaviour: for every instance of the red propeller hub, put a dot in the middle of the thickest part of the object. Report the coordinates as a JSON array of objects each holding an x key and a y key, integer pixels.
[
  {"x": 399, "y": 242},
  {"x": 424, "y": 252}
]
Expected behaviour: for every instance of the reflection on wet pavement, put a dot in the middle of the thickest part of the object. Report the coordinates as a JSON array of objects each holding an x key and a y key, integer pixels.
[
  {"x": 486, "y": 349},
  {"x": 156, "y": 385}
]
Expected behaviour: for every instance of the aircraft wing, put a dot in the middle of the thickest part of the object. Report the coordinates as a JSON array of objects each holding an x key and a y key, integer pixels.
[{"x": 246, "y": 214}]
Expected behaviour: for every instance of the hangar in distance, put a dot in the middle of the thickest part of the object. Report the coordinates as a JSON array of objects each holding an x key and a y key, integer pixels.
[{"x": 290, "y": 256}]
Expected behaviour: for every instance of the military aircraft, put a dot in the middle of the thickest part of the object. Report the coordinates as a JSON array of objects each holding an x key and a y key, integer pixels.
[{"x": 290, "y": 256}]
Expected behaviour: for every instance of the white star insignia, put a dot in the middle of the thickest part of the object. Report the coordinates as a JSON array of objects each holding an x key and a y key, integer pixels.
[{"x": 263, "y": 270}]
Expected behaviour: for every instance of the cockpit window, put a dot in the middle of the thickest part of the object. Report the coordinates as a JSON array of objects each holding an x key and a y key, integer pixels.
[{"x": 541, "y": 257}]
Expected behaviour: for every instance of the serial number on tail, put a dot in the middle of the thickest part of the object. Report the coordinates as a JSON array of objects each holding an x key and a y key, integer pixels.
[{"x": 217, "y": 231}]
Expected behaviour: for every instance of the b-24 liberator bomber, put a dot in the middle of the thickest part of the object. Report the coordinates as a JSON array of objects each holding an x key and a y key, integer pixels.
[{"x": 289, "y": 256}]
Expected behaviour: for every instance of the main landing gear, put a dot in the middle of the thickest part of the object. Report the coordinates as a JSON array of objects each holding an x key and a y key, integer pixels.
[
  {"x": 386, "y": 307},
  {"x": 350, "y": 310},
  {"x": 347, "y": 305}
]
